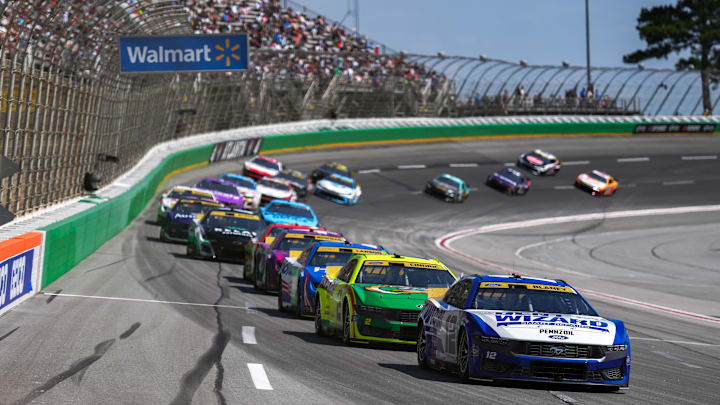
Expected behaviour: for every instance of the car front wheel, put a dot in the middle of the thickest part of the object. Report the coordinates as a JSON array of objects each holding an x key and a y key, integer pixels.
[
  {"x": 463, "y": 356},
  {"x": 421, "y": 347}
]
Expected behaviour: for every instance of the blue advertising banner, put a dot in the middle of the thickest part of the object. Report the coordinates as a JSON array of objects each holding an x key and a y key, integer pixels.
[
  {"x": 15, "y": 277},
  {"x": 193, "y": 53}
]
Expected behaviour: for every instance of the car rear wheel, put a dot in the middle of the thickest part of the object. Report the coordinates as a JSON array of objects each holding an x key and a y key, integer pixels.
[
  {"x": 421, "y": 347},
  {"x": 319, "y": 330},
  {"x": 463, "y": 356},
  {"x": 346, "y": 325},
  {"x": 298, "y": 307},
  {"x": 280, "y": 304}
]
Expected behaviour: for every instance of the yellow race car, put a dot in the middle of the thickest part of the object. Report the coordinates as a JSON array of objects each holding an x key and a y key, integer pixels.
[{"x": 596, "y": 183}]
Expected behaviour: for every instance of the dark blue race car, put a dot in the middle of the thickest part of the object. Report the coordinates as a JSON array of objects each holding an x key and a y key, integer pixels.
[
  {"x": 517, "y": 328},
  {"x": 175, "y": 224},
  {"x": 510, "y": 181}
]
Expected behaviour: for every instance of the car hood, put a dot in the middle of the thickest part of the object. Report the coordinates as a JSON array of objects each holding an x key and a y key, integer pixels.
[
  {"x": 227, "y": 198},
  {"x": 277, "y": 217},
  {"x": 230, "y": 231},
  {"x": 184, "y": 218},
  {"x": 542, "y": 327},
  {"x": 394, "y": 297}
]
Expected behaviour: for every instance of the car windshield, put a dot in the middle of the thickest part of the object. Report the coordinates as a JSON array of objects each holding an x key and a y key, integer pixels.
[
  {"x": 334, "y": 169},
  {"x": 447, "y": 182},
  {"x": 292, "y": 176},
  {"x": 295, "y": 243},
  {"x": 342, "y": 180},
  {"x": 240, "y": 182},
  {"x": 214, "y": 186},
  {"x": 189, "y": 208},
  {"x": 324, "y": 259},
  {"x": 401, "y": 275},
  {"x": 540, "y": 157},
  {"x": 274, "y": 185},
  {"x": 187, "y": 193},
  {"x": 222, "y": 221},
  {"x": 521, "y": 299},
  {"x": 266, "y": 163},
  {"x": 511, "y": 174},
  {"x": 293, "y": 210},
  {"x": 597, "y": 177}
]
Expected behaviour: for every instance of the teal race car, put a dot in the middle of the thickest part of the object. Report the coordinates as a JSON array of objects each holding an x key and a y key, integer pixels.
[{"x": 448, "y": 187}]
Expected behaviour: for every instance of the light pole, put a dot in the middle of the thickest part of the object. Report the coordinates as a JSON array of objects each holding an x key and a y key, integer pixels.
[{"x": 587, "y": 42}]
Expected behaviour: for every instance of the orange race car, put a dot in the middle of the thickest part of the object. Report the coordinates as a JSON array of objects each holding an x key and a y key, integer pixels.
[{"x": 596, "y": 183}]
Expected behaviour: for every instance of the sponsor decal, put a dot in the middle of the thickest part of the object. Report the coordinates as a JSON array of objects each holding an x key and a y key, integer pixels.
[
  {"x": 558, "y": 337},
  {"x": 545, "y": 287},
  {"x": 557, "y": 331},
  {"x": 390, "y": 289},
  {"x": 674, "y": 128},
  {"x": 519, "y": 318},
  {"x": 15, "y": 277},
  {"x": 557, "y": 350},
  {"x": 230, "y": 150}
]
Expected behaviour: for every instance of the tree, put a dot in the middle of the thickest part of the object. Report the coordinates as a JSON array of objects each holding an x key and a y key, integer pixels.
[{"x": 691, "y": 26}]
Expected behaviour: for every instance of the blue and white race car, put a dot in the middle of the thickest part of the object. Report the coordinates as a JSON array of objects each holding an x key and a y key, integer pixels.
[
  {"x": 517, "y": 328},
  {"x": 289, "y": 212},
  {"x": 299, "y": 278},
  {"x": 338, "y": 188}
]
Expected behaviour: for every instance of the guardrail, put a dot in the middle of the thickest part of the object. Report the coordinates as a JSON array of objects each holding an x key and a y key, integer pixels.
[{"x": 73, "y": 230}]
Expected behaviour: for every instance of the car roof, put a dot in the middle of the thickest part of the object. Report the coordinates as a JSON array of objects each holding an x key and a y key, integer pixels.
[
  {"x": 217, "y": 180},
  {"x": 349, "y": 245},
  {"x": 509, "y": 278},
  {"x": 601, "y": 174},
  {"x": 341, "y": 177},
  {"x": 237, "y": 176},
  {"x": 453, "y": 178},
  {"x": 400, "y": 259},
  {"x": 285, "y": 202},
  {"x": 269, "y": 159}
]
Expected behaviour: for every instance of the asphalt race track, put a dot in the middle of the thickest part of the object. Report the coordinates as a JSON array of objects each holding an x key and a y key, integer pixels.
[{"x": 138, "y": 322}]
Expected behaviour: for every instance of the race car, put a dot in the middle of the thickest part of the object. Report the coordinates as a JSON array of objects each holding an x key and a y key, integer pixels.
[
  {"x": 509, "y": 180},
  {"x": 300, "y": 277},
  {"x": 377, "y": 298},
  {"x": 174, "y": 225},
  {"x": 288, "y": 212},
  {"x": 297, "y": 180},
  {"x": 170, "y": 197},
  {"x": 448, "y": 187},
  {"x": 328, "y": 169},
  {"x": 247, "y": 188},
  {"x": 338, "y": 188},
  {"x": 223, "y": 234},
  {"x": 261, "y": 166},
  {"x": 522, "y": 328},
  {"x": 266, "y": 239},
  {"x": 224, "y": 191},
  {"x": 275, "y": 189},
  {"x": 288, "y": 244},
  {"x": 539, "y": 163},
  {"x": 596, "y": 183}
]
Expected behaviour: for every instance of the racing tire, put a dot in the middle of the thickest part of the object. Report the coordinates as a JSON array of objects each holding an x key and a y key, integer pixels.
[
  {"x": 162, "y": 236},
  {"x": 298, "y": 307},
  {"x": 280, "y": 303},
  {"x": 319, "y": 330},
  {"x": 421, "y": 347},
  {"x": 256, "y": 279},
  {"x": 463, "y": 356},
  {"x": 346, "y": 325},
  {"x": 265, "y": 280},
  {"x": 189, "y": 252}
]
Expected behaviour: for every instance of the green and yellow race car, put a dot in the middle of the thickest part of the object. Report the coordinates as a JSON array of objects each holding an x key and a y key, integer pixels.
[{"x": 378, "y": 298}]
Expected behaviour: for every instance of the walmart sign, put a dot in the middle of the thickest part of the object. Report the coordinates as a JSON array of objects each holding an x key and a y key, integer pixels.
[{"x": 194, "y": 53}]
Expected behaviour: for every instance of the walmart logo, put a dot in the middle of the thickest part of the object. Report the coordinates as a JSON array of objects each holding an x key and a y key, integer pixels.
[
  {"x": 229, "y": 54},
  {"x": 190, "y": 53}
]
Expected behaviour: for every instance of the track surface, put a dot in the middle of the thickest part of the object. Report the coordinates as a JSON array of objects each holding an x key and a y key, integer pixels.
[{"x": 69, "y": 349}]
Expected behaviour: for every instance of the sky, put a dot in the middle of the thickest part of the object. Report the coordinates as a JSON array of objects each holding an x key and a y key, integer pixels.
[{"x": 538, "y": 31}]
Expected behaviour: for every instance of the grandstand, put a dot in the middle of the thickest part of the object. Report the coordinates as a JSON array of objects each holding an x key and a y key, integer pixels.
[{"x": 63, "y": 102}]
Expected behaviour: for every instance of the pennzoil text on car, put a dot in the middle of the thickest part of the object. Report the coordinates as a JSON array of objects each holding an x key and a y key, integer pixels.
[{"x": 522, "y": 328}]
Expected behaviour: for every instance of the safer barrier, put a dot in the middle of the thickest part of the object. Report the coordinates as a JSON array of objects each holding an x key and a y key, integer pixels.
[
  {"x": 73, "y": 239},
  {"x": 331, "y": 137}
]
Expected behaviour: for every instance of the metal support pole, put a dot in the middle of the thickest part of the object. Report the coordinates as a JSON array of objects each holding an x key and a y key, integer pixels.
[{"x": 587, "y": 42}]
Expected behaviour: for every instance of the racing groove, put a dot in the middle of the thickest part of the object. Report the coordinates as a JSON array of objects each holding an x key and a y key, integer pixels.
[{"x": 158, "y": 349}]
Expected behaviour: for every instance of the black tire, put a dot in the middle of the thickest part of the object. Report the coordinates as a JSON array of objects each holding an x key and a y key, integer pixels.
[
  {"x": 280, "y": 306},
  {"x": 463, "y": 356},
  {"x": 298, "y": 307},
  {"x": 319, "y": 330},
  {"x": 265, "y": 279},
  {"x": 346, "y": 325},
  {"x": 421, "y": 347},
  {"x": 162, "y": 236},
  {"x": 189, "y": 252},
  {"x": 256, "y": 279}
]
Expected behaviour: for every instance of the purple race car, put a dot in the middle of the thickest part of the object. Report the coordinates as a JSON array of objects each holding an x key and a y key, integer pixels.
[
  {"x": 510, "y": 181},
  {"x": 290, "y": 243},
  {"x": 224, "y": 191}
]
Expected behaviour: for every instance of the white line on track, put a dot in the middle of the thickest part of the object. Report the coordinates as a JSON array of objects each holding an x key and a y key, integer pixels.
[
  {"x": 444, "y": 243},
  {"x": 248, "y": 335},
  {"x": 416, "y": 192},
  {"x": 679, "y": 360},
  {"x": 633, "y": 159},
  {"x": 677, "y": 183},
  {"x": 464, "y": 165},
  {"x": 631, "y": 185},
  {"x": 563, "y": 397},
  {"x": 576, "y": 162},
  {"x": 706, "y": 157},
  {"x": 259, "y": 378},
  {"x": 404, "y": 167},
  {"x": 509, "y": 164},
  {"x": 679, "y": 342},
  {"x": 369, "y": 171},
  {"x": 564, "y": 187},
  {"x": 195, "y": 304}
]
